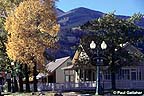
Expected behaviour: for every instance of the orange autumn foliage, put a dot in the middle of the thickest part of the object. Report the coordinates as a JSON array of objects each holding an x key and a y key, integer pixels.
[{"x": 31, "y": 29}]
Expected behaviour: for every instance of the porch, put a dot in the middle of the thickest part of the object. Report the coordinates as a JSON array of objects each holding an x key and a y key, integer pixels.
[{"x": 90, "y": 86}]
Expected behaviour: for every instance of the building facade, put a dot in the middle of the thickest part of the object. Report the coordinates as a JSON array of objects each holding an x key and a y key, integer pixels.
[{"x": 127, "y": 77}]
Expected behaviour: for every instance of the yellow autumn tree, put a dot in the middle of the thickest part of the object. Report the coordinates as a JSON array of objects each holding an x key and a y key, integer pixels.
[
  {"x": 31, "y": 28},
  {"x": 6, "y": 8}
]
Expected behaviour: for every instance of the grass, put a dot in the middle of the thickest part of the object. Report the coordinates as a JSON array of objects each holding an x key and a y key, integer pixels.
[{"x": 29, "y": 94}]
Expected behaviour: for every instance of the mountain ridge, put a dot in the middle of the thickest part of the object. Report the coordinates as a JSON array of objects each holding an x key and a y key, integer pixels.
[
  {"x": 69, "y": 37},
  {"x": 81, "y": 15},
  {"x": 77, "y": 16}
]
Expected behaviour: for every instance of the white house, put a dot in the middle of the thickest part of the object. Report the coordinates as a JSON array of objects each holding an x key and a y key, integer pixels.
[{"x": 128, "y": 77}]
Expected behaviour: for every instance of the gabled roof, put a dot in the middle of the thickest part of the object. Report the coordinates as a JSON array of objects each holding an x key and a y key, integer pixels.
[
  {"x": 68, "y": 67},
  {"x": 133, "y": 50},
  {"x": 52, "y": 66},
  {"x": 79, "y": 55}
]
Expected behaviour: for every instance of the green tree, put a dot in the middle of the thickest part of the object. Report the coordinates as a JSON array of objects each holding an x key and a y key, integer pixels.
[{"x": 115, "y": 32}]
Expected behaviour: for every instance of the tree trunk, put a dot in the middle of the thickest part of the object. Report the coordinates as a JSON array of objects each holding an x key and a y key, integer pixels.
[
  {"x": 21, "y": 80},
  {"x": 8, "y": 79},
  {"x": 113, "y": 79},
  {"x": 35, "y": 80},
  {"x": 27, "y": 78},
  {"x": 13, "y": 81},
  {"x": 15, "y": 84},
  {"x": 20, "y": 84},
  {"x": 9, "y": 85}
]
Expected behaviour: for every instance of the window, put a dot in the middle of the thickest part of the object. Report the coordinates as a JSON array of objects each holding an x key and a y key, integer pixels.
[
  {"x": 69, "y": 72},
  {"x": 67, "y": 78},
  {"x": 71, "y": 78},
  {"x": 69, "y": 75},
  {"x": 126, "y": 74},
  {"x": 107, "y": 75},
  {"x": 123, "y": 74},
  {"x": 129, "y": 74},
  {"x": 66, "y": 72},
  {"x": 133, "y": 74},
  {"x": 139, "y": 76},
  {"x": 142, "y": 75}
]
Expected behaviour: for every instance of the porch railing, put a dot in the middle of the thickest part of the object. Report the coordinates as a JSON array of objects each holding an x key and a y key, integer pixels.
[
  {"x": 120, "y": 84},
  {"x": 69, "y": 86}
]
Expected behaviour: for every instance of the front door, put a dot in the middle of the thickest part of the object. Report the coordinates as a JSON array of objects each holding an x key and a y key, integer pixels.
[{"x": 133, "y": 74}]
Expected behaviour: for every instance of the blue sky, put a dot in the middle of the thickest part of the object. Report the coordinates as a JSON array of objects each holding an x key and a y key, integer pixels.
[{"x": 122, "y": 7}]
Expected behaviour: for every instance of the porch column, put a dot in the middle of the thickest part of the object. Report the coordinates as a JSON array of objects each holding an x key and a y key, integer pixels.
[
  {"x": 83, "y": 75},
  {"x": 91, "y": 76},
  {"x": 86, "y": 75},
  {"x": 77, "y": 77}
]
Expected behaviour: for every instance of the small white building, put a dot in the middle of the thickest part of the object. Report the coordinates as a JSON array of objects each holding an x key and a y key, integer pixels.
[{"x": 55, "y": 73}]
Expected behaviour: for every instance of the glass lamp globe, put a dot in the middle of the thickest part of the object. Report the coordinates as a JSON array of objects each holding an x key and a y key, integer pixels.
[
  {"x": 92, "y": 45},
  {"x": 103, "y": 45},
  {"x": 12, "y": 63}
]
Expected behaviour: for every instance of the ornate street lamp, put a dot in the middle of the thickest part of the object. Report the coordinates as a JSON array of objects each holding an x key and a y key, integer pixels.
[{"x": 93, "y": 46}]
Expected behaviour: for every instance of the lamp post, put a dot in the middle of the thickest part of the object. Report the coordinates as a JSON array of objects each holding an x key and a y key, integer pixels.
[{"x": 99, "y": 60}]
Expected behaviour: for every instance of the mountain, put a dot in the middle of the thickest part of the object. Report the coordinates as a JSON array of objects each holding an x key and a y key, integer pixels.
[
  {"x": 81, "y": 15},
  {"x": 69, "y": 36},
  {"x": 59, "y": 12},
  {"x": 77, "y": 16}
]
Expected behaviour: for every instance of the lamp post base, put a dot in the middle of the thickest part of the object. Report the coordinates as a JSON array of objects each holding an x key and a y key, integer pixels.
[{"x": 98, "y": 95}]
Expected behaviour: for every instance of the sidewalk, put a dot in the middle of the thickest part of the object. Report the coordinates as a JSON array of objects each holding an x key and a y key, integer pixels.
[
  {"x": 38, "y": 94},
  {"x": 28, "y": 94}
]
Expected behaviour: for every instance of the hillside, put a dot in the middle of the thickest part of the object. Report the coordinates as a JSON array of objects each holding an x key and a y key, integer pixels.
[
  {"x": 68, "y": 36},
  {"x": 77, "y": 16}
]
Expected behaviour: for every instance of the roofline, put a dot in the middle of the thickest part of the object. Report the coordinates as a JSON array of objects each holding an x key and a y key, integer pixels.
[{"x": 61, "y": 63}]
